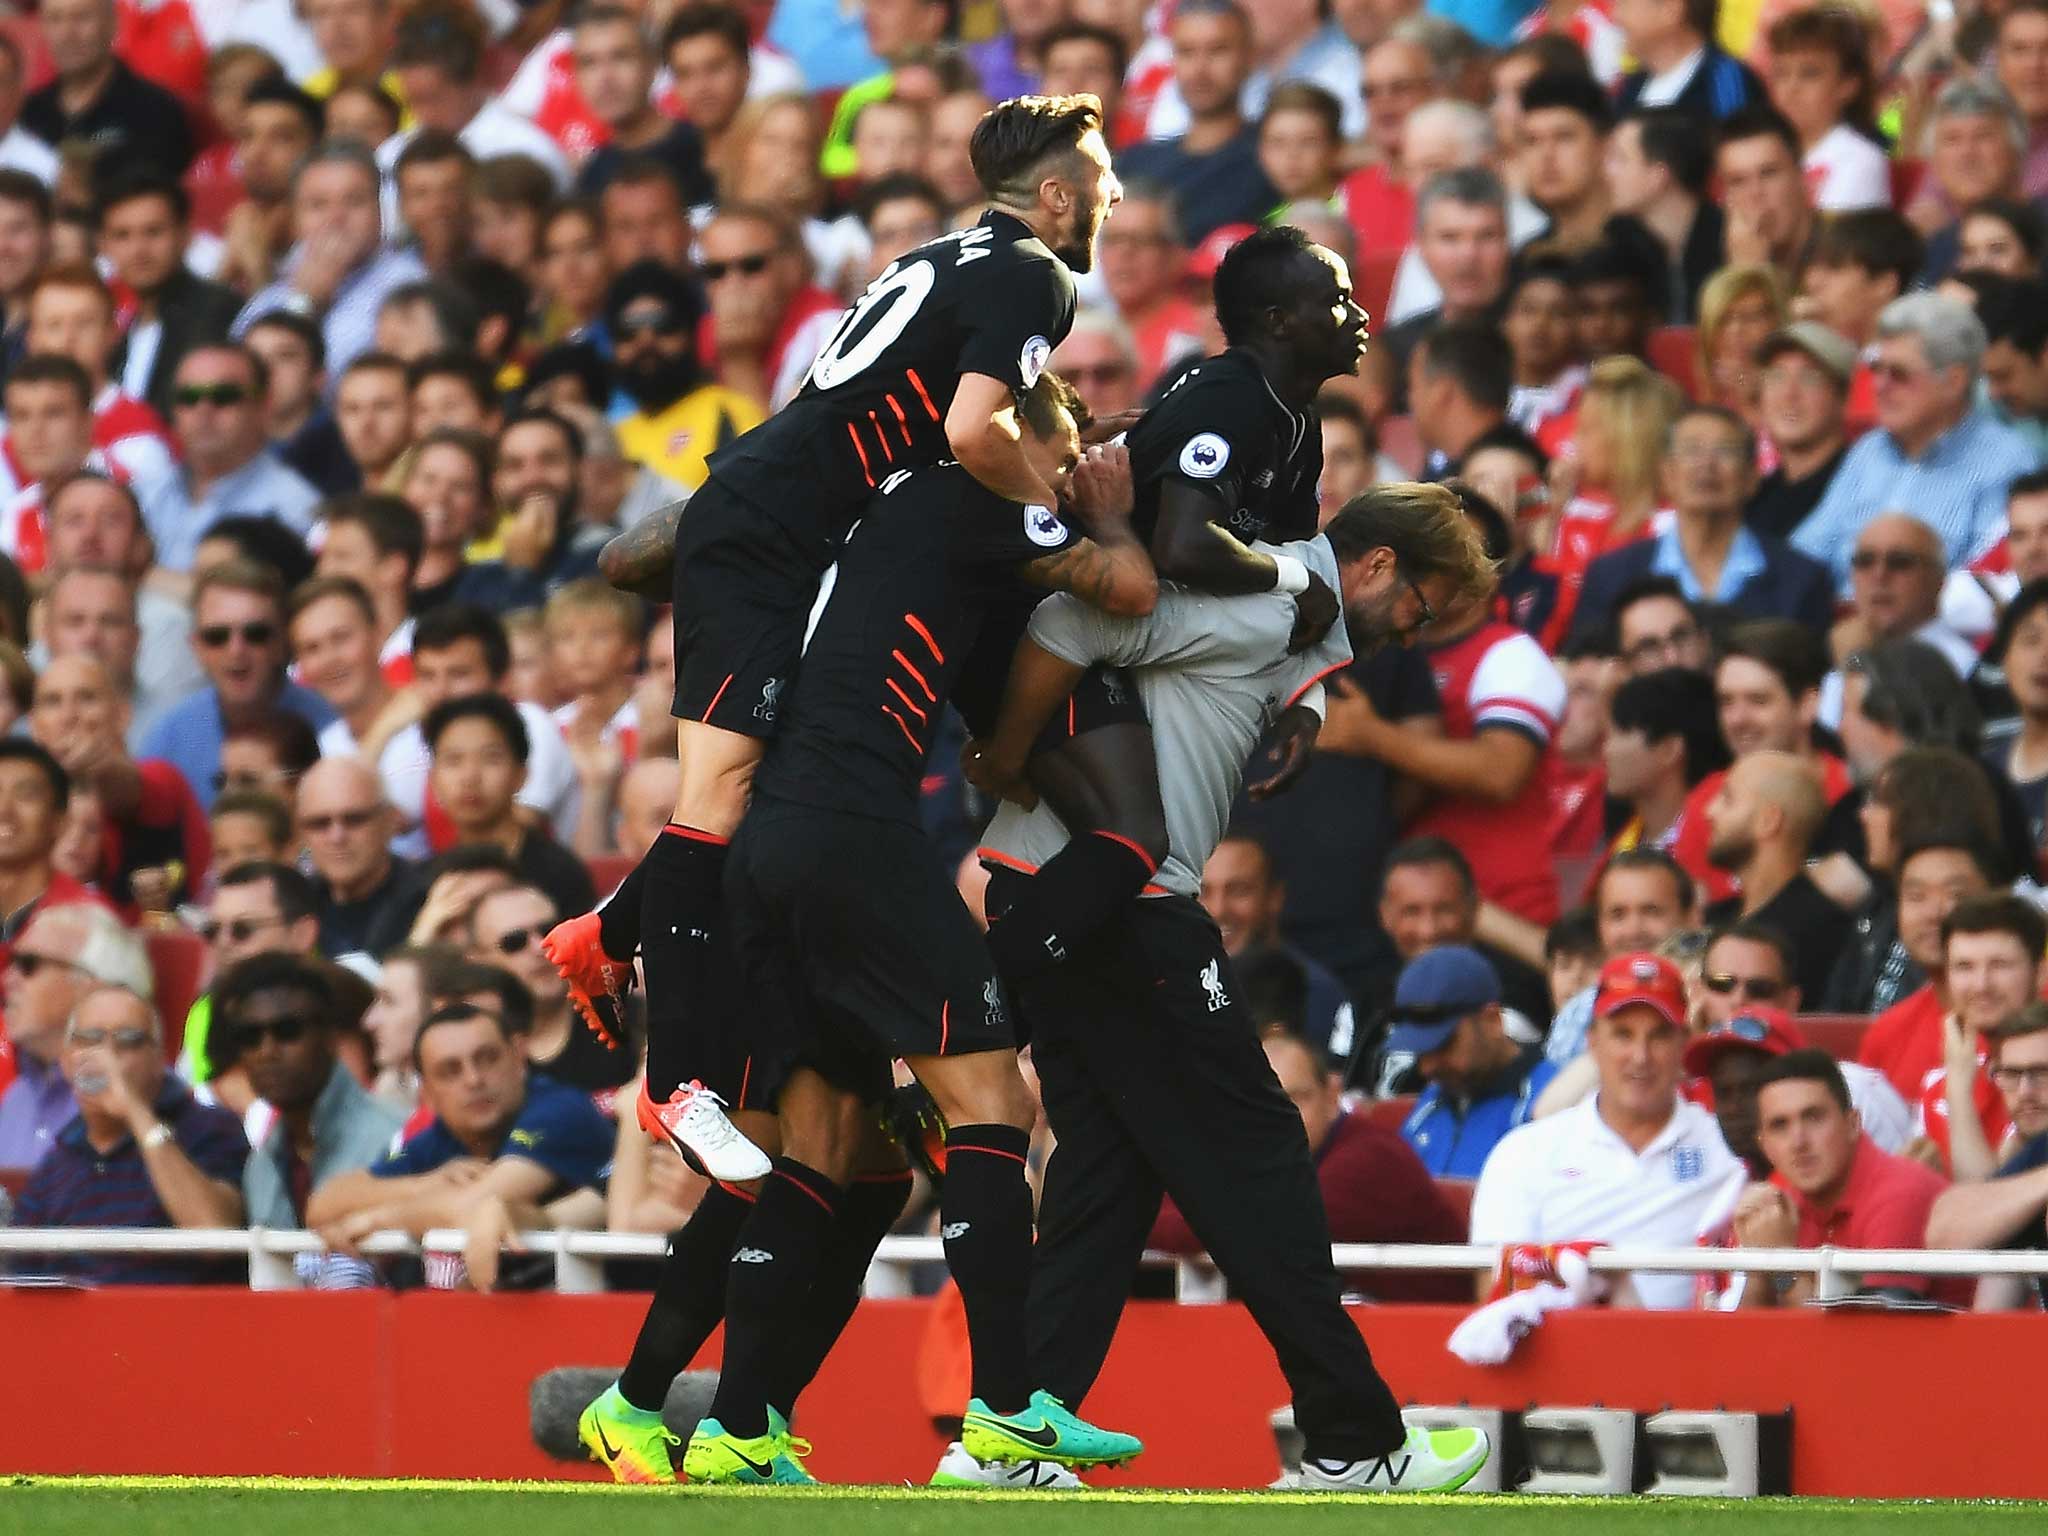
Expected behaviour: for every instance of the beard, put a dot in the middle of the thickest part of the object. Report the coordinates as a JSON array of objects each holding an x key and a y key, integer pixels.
[
  {"x": 1732, "y": 852},
  {"x": 656, "y": 383},
  {"x": 1076, "y": 246},
  {"x": 1370, "y": 623}
]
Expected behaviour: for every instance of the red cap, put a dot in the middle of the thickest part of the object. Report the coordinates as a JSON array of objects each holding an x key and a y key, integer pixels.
[
  {"x": 1641, "y": 978},
  {"x": 1769, "y": 1030},
  {"x": 1208, "y": 256}
]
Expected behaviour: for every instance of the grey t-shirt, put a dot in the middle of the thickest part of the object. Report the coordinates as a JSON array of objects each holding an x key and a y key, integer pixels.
[{"x": 1214, "y": 673}]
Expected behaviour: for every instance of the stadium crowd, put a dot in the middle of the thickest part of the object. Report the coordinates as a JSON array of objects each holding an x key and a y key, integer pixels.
[{"x": 337, "y": 339}]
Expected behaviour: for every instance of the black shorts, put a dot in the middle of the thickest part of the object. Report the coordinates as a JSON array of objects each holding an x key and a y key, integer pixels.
[
  {"x": 1104, "y": 696},
  {"x": 855, "y": 947},
  {"x": 743, "y": 593}
]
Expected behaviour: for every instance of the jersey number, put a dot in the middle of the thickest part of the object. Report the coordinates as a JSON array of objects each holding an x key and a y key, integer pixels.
[{"x": 890, "y": 304}]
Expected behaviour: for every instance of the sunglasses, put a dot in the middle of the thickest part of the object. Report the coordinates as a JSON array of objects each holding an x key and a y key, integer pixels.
[
  {"x": 238, "y": 930},
  {"x": 29, "y": 963},
  {"x": 223, "y": 395},
  {"x": 515, "y": 940},
  {"x": 1754, "y": 988},
  {"x": 1896, "y": 562},
  {"x": 347, "y": 821},
  {"x": 650, "y": 324},
  {"x": 215, "y": 636},
  {"x": 122, "y": 1039},
  {"x": 284, "y": 1031},
  {"x": 752, "y": 266}
]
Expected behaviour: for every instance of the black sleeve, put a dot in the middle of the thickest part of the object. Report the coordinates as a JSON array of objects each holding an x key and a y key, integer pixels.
[
  {"x": 1014, "y": 535},
  {"x": 1398, "y": 682},
  {"x": 1011, "y": 333}
]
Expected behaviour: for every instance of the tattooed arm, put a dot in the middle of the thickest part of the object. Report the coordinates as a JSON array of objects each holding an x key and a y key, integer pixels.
[
  {"x": 642, "y": 560},
  {"x": 1114, "y": 577}
]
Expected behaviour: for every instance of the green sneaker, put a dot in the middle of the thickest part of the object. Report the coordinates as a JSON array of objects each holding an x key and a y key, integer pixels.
[
  {"x": 1044, "y": 1431},
  {"x": 632, "y": 1443},
  {"x": 717, "y": 1457}
]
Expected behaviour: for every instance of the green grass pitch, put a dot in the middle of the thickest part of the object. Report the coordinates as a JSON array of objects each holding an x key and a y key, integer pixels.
[{"x": 137, "y": 1506}]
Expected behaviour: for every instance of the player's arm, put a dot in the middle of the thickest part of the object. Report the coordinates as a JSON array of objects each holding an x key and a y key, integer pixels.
[
  {"x": 1190, "y": 547},
  {"x": 1108, "y": 570},
  {"x": 981, "y": 426},
  {"x": 642, "y": 560},
  {"x": 1040, "y": 683}
]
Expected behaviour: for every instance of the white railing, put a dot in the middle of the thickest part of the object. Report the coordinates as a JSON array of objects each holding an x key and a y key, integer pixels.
[{"x": 579, "y": 1256}]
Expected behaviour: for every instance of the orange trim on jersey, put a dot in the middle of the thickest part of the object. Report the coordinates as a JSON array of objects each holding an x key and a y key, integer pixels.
[
  {"x": 1151, "y": 864},
  {"x": 918, "y": 384},
  {"x": 746, "y": 1076},
  {"x": 945, "y": 1024},
  {"x": 716, "y": 697},
  {"x": 1070, "y": 714},
  {"x": 907, "y": 704},
  {"x": 677, "y": 829},
  {"x": 997, "y": 856},
  {"x": 1337, "y": 666},
  {"x": 926, "y": 636},
  {"x": 736, "y": 1190},
  {"x": 953, "y": 1151},
  {"x": 881, "y": 436},
  {"x": 902, "y": 421},
  {"x": 904, "y": 662},
  {"x": 864, "y": 469},
  {"x": 908, "y": 735}
]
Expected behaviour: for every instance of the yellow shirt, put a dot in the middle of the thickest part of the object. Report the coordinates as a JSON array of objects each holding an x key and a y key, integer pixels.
[
  {"x": 322, "y": 83},
  {"x": 678, "y": 441}
]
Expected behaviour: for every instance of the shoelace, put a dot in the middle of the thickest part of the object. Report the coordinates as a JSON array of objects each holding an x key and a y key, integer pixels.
[
  {"x": 795, "y": 1447},
  {"x": 704, "y": 1114}
]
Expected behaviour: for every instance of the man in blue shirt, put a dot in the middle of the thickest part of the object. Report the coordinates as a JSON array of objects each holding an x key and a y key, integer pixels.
[
  {"x": 1481, "y": 1084},
  {"x": 2007, "y": 1210},
  {"x": 1932, "y": 452}
]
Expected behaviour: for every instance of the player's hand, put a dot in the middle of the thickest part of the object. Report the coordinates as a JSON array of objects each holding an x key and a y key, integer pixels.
[
  {"x": 1315, "y": 609},
  {"x": 1100, "y": 489},
  {"x": 996, "y": 776},
  {"x": 1288, "y": 746},
  {"x": 1103, "y": 428}
]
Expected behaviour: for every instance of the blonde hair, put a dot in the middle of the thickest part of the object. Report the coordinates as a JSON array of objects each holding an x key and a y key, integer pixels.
[
  {"x": 1427, "y": 529},
  {"x": 590, "y": 595},
  {"x": 1635, "y": 407},
  {"x": 739, "y": 138},
  {"x": 1721, "y": 293}
]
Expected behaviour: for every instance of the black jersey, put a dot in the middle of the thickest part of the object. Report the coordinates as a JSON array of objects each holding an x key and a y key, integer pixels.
[
  {"x": 990, "y": 299},
  {"x": 1221, "y": 429},
  {"x": 898, "y": 619}
]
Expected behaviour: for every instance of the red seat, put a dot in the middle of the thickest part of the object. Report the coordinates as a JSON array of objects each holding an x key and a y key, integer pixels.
[
  {"x": 14, "y": 1180},
  {"x": 1839, "y": 1034},
  {"x": 1674, "y": 353},
  {"x": 179, "y": 962},
  {"x": 608, "y": 871},
  {"x": 1392, "y": 1113},
  {"x": 1457, "y": 1195},
  {"x": 1400, "y": 442}
]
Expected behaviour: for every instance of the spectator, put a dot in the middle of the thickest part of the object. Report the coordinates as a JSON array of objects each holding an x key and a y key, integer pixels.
[
  {"x": 1143, "y": 252},
  {"x": 367, "y": 111},
  {"x": 256, "y": 909},
  {"x": 1087, "y": 58},
  {"x": 1633, "y": 1164},
  {"x": 1709, "y": 477},
  {"x": 1991, "y": 968},
  {"x": 537, "y": 463},
  {"x": 282, "y": 1015},
  {"x": 238, "y": 635},
  {"x": 897, "y": 214},
  {"x": 20, "y": 150},
  {"x": 1459, "y": 381},
  {"x": 1931, "y": 450},
  {"x": 229, "y": 467},
  {"x": 339, "y": 269},
  {"x": 53, "y": 963},
  {"x": 347, "y": 828},
  {"x": 1764, "y": 820},
  {"x": 1741, "y": 305},
  {"x": 2006, "y": 1210},
  {"x": 1572, "y": 956},
  {"x": 1100, "y": 359},
  {"x": 417, "y": 320},
  {"x": 706, "y": 47},
  {"x": 681, "y": 417},
  {"x": 509, "y": 199},
  {"x": 614, "y": 71},
  {"x": 1481, "y": 1083},
  {"x": 1301, "y": 143},
  {"x": 334, "y": 650},
  {"x": 2015, "y": 317},
  {"x": 537, "y": 1139},
  {"x": 1770, "y": 218},
  {"x": 1212, "y": 167},
  {"x": 1802, "y": 403},
  {"x": 767, "y": 323},
  {"x": 1831, "y": 1185},
  {"x": 143, "y": 223},
  {"x": 647, "y": 797},
  {"x": 2023, "y": 647},
  {"x": 352, "y": 37},
  {"x": 250, "y": 826},
  {"x": 448, "y": 485},
  {"x": 1592, "y": 673},
  {"x": 407, "y": 982},
  {"x": 1615, "y": 290},
  {"x": 95, "y": 611},
  {"x": 1678, "y": 64},
  {"x": 437, "y": 54},
  {"x": 454, "y": 389},
  {"x": 295, "y": 415},
  {"x": 49, "y": 432},
  {"x": 1461, "y": 233},
  {"x": 1639, "y": 899},
  {"x": 641, "y": 217},
  {"x": 1658, "y": 165},
  {"x": 1905, "y": 1041},
  {"x": 1428, "y": 899},
  {"x": 1859, "y": 263},
  {"x": 25, "y": 223},
  {"x": 1977, "y": 138},
  {"x": 2001, "y": 237},
  {"x": 593, "y": 635},
  {"x": 1662, "y": 741},
  {"x": 1821, "y": 80},
  {"x": 1373, "y": 1187},
  {"x": 948, "y": 165},
  {"x": 1538, "y": 325},
  {"x": 1564, "y": 123},
  {"x": 1349, "y": 452},
  {"x": 1657, "y": 627},
  {"x": 97, "y": 99},
  {"x": 376, "y": 542},
  {"x": 1895, "y": 579},
  {"x": 280, "y": 126},
  {"x": 505, "y": 931},
  {"x": 142, "y": 1151},
  {"x": 2019, "y": 61},
  {"x": 1244, "y": 895}
]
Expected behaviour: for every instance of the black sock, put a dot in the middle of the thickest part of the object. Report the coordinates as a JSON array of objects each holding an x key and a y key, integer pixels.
[
  {"x": 679, "y": 908},
  {"x": 618, "y": 920},
  {"x": 985, "y": 1218},
  {"x": 867, "y": 1210},
  {"x": 689, "y": 1298},
  {"x": 773, "y": 1267},
  {"x": 1078, "y": 890}
]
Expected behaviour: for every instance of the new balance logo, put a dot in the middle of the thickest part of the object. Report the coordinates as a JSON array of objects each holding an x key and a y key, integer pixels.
[
  {"x": 753, "y": 1256},
  {"x": 953, "y": 1229},
  {"x": 1385, "y": 1468},
  {"x": 1212, "y": 983}
]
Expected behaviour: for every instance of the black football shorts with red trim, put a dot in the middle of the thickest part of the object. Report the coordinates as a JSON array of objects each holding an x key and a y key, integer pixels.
[
  {"x": 847, "y": 925},
  {"x": 744, "y": 586}
]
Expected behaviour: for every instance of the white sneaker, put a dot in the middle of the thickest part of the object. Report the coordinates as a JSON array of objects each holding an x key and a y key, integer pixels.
[
  {"x": 957, "y": 1469},
  {"x": 694, "y": 1122},
  {"x": 1429, "y": 1461}
]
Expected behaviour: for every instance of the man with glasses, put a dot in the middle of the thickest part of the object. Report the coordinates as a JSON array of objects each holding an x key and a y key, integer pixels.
[
  {"x": 1657, "y": 627},
  {"x": 1762, "y": 825},
  {"x": 1143, "y": 254},
  {"x": 256, "y": 909},
  {"x": 1895, "y": 579},
  {"x": 1100, "y": 359},
  {"x": 680, "y": 416},
  {"x": 2007, "y": 1210},
  {"x": 348, "y": 826},
  {"x": 239, "y": 637},
  {"x": 1992, "y": 967},
  {"x": 64, "y": 951},
  {"x": 229, "y": 468},
  {"x": 142, "y": 1151},
  {"x": 505, "y": 931},
  {"x": 1709, "y": 476},
  {"x": 1933, "y": 448},
  {"x": 767, "y": 321}
]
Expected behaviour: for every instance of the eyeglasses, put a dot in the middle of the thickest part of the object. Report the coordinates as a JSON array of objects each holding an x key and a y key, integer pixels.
[
  {"x": 242, "y": 778},
  {"x": 1755, "y": 988},
  {"x": 752, "y": 265},
  {"x": 28, "y": 962},
  {"x": 122, "y": 1039},
  {"x": 346, "y": 821},
  {"x": 1422, "y": 603},
  {"x": 184, "y": 396},
  {"x": 215, "y": 636},
  {"x": 237, "y": 930},
  {"x": 284, "y": 1031},
  {"x": 1102, "y": 373},
  {"x": 652, "y": 323},
  {"x": 1652, "y": 647},
  {"x": 1414, "y": 85},
  {"x": 1898, "y": 373},
  {"x": 2012, "y": 1078},
  {"x": 514, "y": 940},
  {"x": 1896, "y": 562}
]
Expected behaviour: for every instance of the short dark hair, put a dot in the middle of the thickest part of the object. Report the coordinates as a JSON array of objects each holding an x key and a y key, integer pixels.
[
  {"x": 277, "y": 91},
  {"x": 1307, "y": 96},
  {"x": 515, "y": 998},
  {"x": 1014, "y": 138},
  {"x": 1473, "y": 355},
  {"x": 19, "y": 749},
  {"x": 454, "y": 311},
  {"x": 1569, "y": 91},
  {"x": 1040, "y": 405},
  {"x": 1758, "y": 120},
  {"x": 317, "y": 589},
  {"x": 1807, "y": 1066},
  {"x": 1796, "y": 655},
  {"x": 1671, "y": 137},
  {"x": 296, "y": 897},
  {"x": 1910, "y": 688},
  {"x": 1427, "y": 853},
  {"x": 1713, "y": 411},
  {"x": 578, "y": 360},
  {"x": 379, "y": 362},
  {"x": 1259, "y": 273},
  {"x": 1085, "y": 32},
  {"x": 443, "y": 35},
  {"x": 268, "y": 808},
  {"x": 1676, "y": 701},
  {"x": 494, "y": 708},
  {"x": 52, "y": 368},
  {"x": 898, "y": 187},
  {"x": 2014, "y": 310},
  {"x": 432, "y": 146},
  {"x": 1642, "y": 590},
  {"x": 1621, "y": 255},
  {"x": 1879, "y": 240},
  {"x": 286, "y": 734},
  {"x": 1576, "y": 934},
  {"x": 528, "y": 414},
  {"x": 457, "y": 1013},
  {"x": 376, "y": 92},
  {"x": 704, "y": 18},
  {"x": 262, "y": 540},
  {"x": 495, "y": 292},
  {"x": 127, "y": 184},
  {"x": 1640, "y": 858},
  {"x": 1834, "y": 29},
  {"x": 2000, "y": 912},
  {"x": 274, "y": 971},
  {"x": 466, "y": 368},
  {"x": 390, "y": 522},
  {"x": 447, "y": 625},
  {"x": 298, "y": 325},
  {"x": 1990, "y": 860},
  {"x": 1749, "y": 931}
]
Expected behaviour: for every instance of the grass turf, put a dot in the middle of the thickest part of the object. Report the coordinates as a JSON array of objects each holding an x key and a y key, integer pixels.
[{"x": 211, "y": 1507}]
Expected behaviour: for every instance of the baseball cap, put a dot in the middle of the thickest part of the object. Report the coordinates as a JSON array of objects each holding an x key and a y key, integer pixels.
[
  {"x": 1824, "y": 346},
  {"x": 1641, "y": 978},
  {"x": 1437, "y": 988},
  {"x": 1769, "y": 1030},
  {"x": 1208, "y": 256}
]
